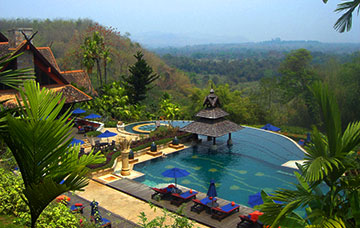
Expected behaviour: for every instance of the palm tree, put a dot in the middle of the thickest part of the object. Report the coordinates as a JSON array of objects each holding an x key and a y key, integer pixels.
[
  {"x": 39, "y": 140},
  {"x": 328, "y": 158},
  {"x": 345, "y": 21}
]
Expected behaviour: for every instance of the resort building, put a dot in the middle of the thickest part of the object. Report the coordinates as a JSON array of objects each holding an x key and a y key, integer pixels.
[{"x": 45, "y": 69}]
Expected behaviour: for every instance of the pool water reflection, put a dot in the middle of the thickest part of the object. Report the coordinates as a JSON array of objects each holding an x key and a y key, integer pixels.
[{"x": 251, "y": 164}]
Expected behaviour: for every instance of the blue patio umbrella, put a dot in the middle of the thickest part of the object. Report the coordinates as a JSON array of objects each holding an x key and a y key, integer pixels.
[
  {"x": 78, "y": 111},
  {"x": 76, "y": 141},
  {"x": 107, "y": 134},
  {"x": 257, "y": 200},
  {"x": 92, "y": 116},
  {"x": 175, "y": 173}
]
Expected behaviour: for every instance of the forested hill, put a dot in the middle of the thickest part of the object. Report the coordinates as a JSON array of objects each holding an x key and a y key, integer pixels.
[
  {"x": 66, "y": 36},
  {"x": 248, "y": 62}
]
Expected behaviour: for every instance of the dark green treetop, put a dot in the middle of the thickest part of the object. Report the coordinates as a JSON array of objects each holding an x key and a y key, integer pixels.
[{"x": 138, "y": 82}]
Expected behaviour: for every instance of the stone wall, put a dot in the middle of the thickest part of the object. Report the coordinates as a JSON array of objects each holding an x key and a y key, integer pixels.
[
  {"x": 26, "y": 60},
  {"x": 15, "y": 36}
]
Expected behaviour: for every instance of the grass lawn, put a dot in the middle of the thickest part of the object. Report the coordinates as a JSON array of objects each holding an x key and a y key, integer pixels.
[{"x": 6, "y": 222}]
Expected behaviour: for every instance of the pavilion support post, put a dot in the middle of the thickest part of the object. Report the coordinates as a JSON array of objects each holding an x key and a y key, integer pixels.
[
  {"x": 229, "y": 142},
  {"x": 214, "y": 146},
  {"x": 196, "y": 137},
  {"x": 209, "y": 138}
]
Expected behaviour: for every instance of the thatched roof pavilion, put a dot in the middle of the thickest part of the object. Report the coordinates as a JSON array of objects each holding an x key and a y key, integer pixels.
[{"x": 211, "y": 120}]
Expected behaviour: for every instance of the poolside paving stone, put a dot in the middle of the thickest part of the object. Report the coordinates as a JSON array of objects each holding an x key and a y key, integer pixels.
[
  {"x": 119, "y": 203},
  {"x": 143, "y": 192}
]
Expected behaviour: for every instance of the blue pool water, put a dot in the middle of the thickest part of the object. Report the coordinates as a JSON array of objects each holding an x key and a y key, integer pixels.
[
  {"x": 251, "y": 164},
  {"x": 151, "y": 126}
]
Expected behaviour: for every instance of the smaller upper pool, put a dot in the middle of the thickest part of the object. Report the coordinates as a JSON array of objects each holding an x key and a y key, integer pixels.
[{"x": 145, "y": 127}]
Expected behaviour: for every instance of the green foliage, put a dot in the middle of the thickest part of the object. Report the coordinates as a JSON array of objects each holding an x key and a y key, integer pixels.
[
  {"x": 93, "y": 133},
  {"x": 114, "y": 103},
  {"x": 240, "y": 108},
  {"x": 296, "y": 76},
  {"x": 164, "y": 131},
  {"x": 329, "y": 160},
  {"x": 178, "y": 219},
  {"x": 11, "y": 203},
  {"x": 111, "y": 123},
  {"x": 95, "y": 52},
  {"x": 45, "y": 159},
  {"x": 138, "y": 82},
  {"x": 110, "y": 163},
  {"x": 158, "y": 142},
  {"x": 7, "y": 160},
  {"x": 168, "y": 109}
]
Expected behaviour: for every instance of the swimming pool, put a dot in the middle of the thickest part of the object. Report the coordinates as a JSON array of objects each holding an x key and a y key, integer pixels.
[
  {"x": 145, "y": 127},
  {"x": 251, "y": 164}
]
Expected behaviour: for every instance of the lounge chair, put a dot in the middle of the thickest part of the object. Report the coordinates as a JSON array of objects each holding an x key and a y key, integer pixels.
[
  {"x": 178, "y": 199},
  {"x": 249, "y": 222},
  {"x": 163, "y": 192},
  {"x": 77, "y": 208},
  {"x": 105, "y": 223},
  {"x": 224, "y": 211},
  {"x": 200, "y": 205}
]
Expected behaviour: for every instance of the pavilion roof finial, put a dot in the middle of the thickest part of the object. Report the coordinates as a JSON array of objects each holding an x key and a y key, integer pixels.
[{"x": 211, "y": 100}]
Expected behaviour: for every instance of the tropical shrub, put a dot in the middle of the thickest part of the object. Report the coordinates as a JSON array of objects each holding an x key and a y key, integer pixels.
[
  {"x": 329, "y": 187},
  {"x": 177, "y": 219},
  {"x": 11, "y": 203}
]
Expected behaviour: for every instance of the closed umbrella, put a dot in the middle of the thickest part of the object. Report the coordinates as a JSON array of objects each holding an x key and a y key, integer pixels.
[
  {"x": 212, "y": 191},
  {"x": 175, "y": 173},
  {"x": 78, "y": 111},
  {"x": 92, "y": 116}
]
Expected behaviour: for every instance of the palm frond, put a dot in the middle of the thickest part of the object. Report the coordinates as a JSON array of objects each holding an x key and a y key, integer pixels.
[
  {"x": 344, "y": 23},
  {"x": 351, "y": 137},
  {"x": 39, "y": 141},
  {"x": 13, "y": 78},
  {"x": 331, "y": 115}
]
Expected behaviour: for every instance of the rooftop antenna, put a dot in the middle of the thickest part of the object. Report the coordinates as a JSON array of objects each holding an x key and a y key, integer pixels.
[{"x": 31, "y": 37}]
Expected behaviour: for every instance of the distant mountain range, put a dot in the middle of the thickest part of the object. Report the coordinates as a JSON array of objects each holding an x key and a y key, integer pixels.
[
  {"x": 160, "y": 39},
  {"x": 265, "y": 46}
]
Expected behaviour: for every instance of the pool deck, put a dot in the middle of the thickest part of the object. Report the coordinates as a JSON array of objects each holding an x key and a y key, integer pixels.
[{"x": 143, "y": 192}]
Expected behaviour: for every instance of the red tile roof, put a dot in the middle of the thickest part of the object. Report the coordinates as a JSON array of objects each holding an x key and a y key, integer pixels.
[
  {"x": 80, "y": 78},
  {"x": 69, "y": 92},
  {"x": 49, "y": 56}
]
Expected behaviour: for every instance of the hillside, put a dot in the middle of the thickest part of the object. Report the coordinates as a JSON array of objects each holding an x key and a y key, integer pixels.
[{"x": 66, "y": 36}]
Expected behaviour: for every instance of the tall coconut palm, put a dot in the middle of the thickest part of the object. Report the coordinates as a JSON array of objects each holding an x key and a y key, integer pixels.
[
  {"x": 39, "y": 140},
  {"x": 329, "y": 160},
  {"x": 344, "y": 23}
]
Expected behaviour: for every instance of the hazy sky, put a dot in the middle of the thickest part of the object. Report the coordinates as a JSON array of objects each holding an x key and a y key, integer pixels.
[{"x": 254, "y": 20}]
